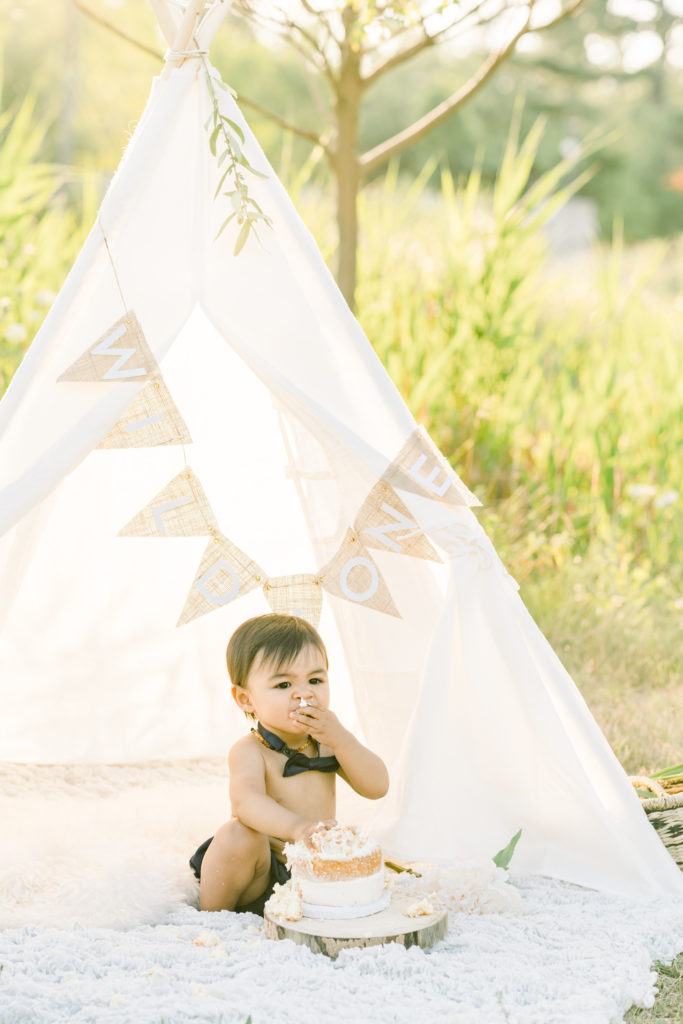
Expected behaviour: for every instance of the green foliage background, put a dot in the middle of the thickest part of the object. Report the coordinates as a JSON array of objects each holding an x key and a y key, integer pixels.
[
  {"x": 555, "y": 389},
  {"x": 90, "y": 88}
]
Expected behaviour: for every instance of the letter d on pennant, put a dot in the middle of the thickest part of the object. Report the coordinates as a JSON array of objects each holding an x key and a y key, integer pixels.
[{"x": 225, "y": 573}]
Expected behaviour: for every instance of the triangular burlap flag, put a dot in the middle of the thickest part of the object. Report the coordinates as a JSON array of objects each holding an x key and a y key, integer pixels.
[
  {"x": 295, "y": 595},
  {"x": 225, "y": 573},
  {"x": 120, "y": 354},
  {"x": 353, "y": 575},
  {"x": 384, "y": 522},
  {"x": 179, "y": 510},
  {"x": 421, "y": 468},
  {"x": 151, "y": 419}
]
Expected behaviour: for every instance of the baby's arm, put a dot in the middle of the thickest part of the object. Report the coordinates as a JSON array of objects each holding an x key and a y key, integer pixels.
[
  {"x": 251, "y": 804},
  {"x": 364, "y": 771}
]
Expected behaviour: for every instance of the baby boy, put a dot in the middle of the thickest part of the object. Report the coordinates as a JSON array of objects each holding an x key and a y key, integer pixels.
[{"x": 283, "y": 774}]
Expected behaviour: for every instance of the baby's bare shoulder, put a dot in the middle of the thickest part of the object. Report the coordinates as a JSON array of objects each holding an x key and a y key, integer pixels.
[{"x": 245, "y": 753}]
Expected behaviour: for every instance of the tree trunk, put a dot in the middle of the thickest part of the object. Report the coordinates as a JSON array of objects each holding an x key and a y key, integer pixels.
[
  {"x": 346, "y": 166},
  {"x": 346, "y": 172}
]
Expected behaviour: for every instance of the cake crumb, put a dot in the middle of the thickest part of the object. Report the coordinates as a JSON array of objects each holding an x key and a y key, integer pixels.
[
  {"x": 286, "y": 902},
  {"x": 206, "y": 939},
  {"x": 420, "y": 908}
]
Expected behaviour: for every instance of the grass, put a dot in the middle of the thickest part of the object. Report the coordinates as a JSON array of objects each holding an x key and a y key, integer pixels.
[
  {"x": 668, "y": 1007},
  {"x": 557, "y": 393}
]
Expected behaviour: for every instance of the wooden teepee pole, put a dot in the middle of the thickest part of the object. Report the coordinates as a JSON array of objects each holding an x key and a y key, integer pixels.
[
  {"x": 184, "y": 34},
  {"x": 165, "y": 19}
]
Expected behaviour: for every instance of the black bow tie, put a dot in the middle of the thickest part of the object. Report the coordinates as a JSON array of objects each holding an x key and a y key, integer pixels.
[{"x": 296, "y": 761}]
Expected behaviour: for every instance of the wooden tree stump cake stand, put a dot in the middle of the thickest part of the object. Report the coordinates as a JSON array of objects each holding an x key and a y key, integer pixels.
[{"x": 390, "y": 925}]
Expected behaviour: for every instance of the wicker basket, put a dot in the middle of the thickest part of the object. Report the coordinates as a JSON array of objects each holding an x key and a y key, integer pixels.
[
  {"x": 672, "y": 783},
  {"x": 665, "y": 811}
]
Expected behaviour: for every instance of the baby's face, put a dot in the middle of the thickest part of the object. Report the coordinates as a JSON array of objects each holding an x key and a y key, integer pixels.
[{"x": 275, "y": 691}]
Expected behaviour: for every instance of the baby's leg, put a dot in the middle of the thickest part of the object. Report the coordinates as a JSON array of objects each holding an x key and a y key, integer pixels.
[{"x": 235, "y": 869}]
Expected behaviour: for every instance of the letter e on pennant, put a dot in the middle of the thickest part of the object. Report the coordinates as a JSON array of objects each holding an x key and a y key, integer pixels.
[{"x": 421, "y": 468}]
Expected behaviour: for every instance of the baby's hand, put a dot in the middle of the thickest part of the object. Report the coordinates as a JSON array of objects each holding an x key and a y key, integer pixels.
[
  {"x": 321, "y": 723},
  {"x": 306, "y": 830}
]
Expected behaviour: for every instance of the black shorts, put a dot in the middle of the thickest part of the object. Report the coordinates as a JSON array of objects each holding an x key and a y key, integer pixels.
[{"x": 278, "y": 873}]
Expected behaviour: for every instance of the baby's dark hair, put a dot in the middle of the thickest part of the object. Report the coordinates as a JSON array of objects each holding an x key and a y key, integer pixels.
[{"x": 279, "y": 638}]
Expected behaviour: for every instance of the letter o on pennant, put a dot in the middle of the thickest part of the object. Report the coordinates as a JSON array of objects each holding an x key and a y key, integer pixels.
[
  {"x": 364, "y": 595},
  {"x": 220, "y": 566}
]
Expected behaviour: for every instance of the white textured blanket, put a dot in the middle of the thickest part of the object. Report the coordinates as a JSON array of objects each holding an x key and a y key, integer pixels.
[{"x": 99, "y": 926}]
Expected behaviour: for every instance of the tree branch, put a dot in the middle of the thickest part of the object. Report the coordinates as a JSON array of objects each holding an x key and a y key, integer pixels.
[
  {"x": 316, "y": 55},
  {"x": 150, "y": 51},
  {"x": 427, "y": 40},
  {"x": 374, "y": 158},
  {"x": 320, "y": 15},
  {"x": 311, "y": 40},
  {"x": 302, "y": 132},
  {"x": 566, "y": 13},
  {"x": 318, "y": 140}
]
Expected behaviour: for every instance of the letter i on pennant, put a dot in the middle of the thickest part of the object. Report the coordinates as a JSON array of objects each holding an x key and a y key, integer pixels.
[
  {"x": 120, "y": 355},
  {"x": 151, "y": 419}
]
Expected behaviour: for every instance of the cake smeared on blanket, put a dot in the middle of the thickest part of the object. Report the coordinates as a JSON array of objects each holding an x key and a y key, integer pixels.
[{"x": 343, "y": 868}]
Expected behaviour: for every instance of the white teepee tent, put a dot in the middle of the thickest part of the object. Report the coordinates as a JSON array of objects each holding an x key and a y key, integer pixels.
[{"x": 303, "y": 460}]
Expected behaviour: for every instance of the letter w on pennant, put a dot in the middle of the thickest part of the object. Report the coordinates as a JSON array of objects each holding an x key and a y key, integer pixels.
[{"x": 120, "y": 354}]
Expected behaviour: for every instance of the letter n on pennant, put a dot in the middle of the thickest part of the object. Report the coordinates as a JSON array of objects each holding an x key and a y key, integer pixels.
[
  {"x": 120, "y": 355},
  {"x": 420, "y": 468},
  {"x": 353, "y": 575},
  {"x": 386, "y": 523},
  {"x": 225, "y": 573}
]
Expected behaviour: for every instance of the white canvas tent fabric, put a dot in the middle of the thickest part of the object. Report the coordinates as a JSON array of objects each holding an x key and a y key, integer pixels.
[{"x": 293, "y": 420}]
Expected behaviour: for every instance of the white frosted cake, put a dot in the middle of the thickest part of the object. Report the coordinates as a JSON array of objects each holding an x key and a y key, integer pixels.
[{"x": 340, "y": 875}]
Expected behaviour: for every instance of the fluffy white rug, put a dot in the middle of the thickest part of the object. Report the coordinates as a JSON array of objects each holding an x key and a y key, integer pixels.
[{"x": 100, "y": 925}]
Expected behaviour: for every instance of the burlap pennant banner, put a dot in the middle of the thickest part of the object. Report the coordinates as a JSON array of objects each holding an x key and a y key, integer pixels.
[
  {"x": 421, "y": 468},
  {"x": 120, "y": 354},
  {"x": 151, "y": 419},
  {"x": 300, "y": 595},
  {"x": 353, "y": 575},
  {"x": 384, "y": 522},
  {"x": 225, "y": 573},
  {"x": 179, "y": 510}
]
